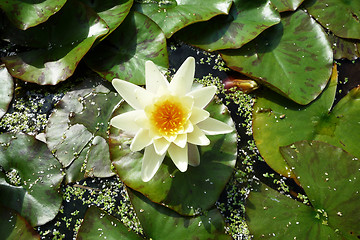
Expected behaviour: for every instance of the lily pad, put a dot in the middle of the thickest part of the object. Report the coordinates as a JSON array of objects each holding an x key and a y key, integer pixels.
[
  {"x": 113, "y": 12},
  {"x": 6, "y": 90},
  {"x": 341, "y": 17},
  {"x": 58, "y": 49},
  {"x": 172, "y": 15},
  {"x": 13, "y": 226},
  {"x": 246, "y": 20},
  {"x": 123, "y": 54},
  {"x": 32, "y": 180},
  {"x": 293, "y": 58},
  {"x": 286, "y": 5},
  {"x": 190, "y": 192},
  {"x": 26, "y": 14},
  {"x": 76, "y": 131},
  {"x": 160, "y": 222},
  {"x": 97, "y": 224},
  {"x": 345, "y": 48}
]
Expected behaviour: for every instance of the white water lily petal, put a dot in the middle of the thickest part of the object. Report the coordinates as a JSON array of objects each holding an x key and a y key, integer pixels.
[
  {"x": 127, "y": 91},
  {"x": 151, "y": 163},
  {"x": 211, "y": 126},
  {"x": 202, "y": 96},
  {"x": 154, "y": 78},
  {"x": 142, "y": 139},
  {"x": 198, "y": 137},
  {"x": 193, "y": 155},
  {"x": 126, "y": 121},
  {"x": 144, "y": 98},
  {"x": 184, "y": 77},
  {"x": 161, "y": 145},
  {"x": 181, "y": 140},
  {"x": 198, "y": 115},
  {"x": 179, "y": 156}
]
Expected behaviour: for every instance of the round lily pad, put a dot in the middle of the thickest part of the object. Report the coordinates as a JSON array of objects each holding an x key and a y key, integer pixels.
[
  {"x": 246, "y": 20},
  {"x": 6, "y": 90},
  {"x": 160, "y": 222},
  {"x": 123, "y": 54},
  {"x": 76, "y": 131},
  {"x": 286, "y": 5},
  {"x": 190, "y": 192},
  {"x": 345, "y": 48},
  {"x": 293, "y": 58},
  {"x": 30, "y": 179},
  {"x": 98, "y": 224},
  {"x": 172, "y": 15},
  {"x": 58, "y": 48},
  {"x": 13, "y": 226},
  {"x": 26, "y": 14}
]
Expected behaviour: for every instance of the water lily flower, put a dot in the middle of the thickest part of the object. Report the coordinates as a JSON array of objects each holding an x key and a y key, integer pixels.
[{"x": 167, "y": 118}]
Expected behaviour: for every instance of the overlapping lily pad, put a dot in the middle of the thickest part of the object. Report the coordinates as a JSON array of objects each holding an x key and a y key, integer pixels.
[
  {"x": 6, "y": 90},
  {"x": 246, "y": 20},
  {"x": 13, "y": 226},
  {"x": 26, "y": 14},
  {"x": 341, "y": 17},
  {"x": 31, "y": 178},
  {"x": 98, "y": 224},
  {"x": 345, "y": 48},
  {"x": 123, "y": 54},
  {"x": 172, "y": 15},
  {"x": 58, "y": 48},
  {"x": 187, "y": 193},
  {"x": 76, "y": 131},
  {"x": 332, "y": 186},
  {"x": 160, "y": 222},
  {"x": 293, "y": 58},
  {"x": 286, "y": 5}
]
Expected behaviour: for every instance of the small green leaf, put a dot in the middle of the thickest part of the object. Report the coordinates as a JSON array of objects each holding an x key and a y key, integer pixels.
[
  {"x": 246, "y": 20},
  {"x": 25, "y": 14},
  {"x": 123, "y": 54},
  {"x": 160, "y": 222},
  {"x": 293, "y": 58},
  {"x": 32, "y": 180},
  {"x": 286, "y": 5},
  {"x": 173, "y": 15},
  {"x": 6, "y": 90},
  {"x": 99, "y": 225}
]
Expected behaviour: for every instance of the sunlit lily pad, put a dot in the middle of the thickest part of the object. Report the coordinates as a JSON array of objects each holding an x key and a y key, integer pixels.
[
  {"x": 332, "y": 187},
  {"x": 113, "y": 12},
  {"x": 123, "y": 54},
  {"x": 293, "y": 58},
  {"x": 246, "y": 20},
  {"x": 99, "y": 225},
  {"x": 172, "y": 15},
  {"x": 26, "y": 14},
  {"x": 13, "y": 226},
  {"x": 160, "y": 222},
  {"x": 189, "y": 192},
  {"x": 341, "y": 17},
  {"x": 32, "y": 180},
  {"x": 57, "y": 50},
  {"x": 6, "y": 90},
  {"x": 286, "y": 5},
  {"x": 76, "y": 132}
]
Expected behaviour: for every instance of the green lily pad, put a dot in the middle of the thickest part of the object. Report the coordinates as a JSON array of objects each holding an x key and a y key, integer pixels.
[
  {"x": 26, "y": 14},
  {"x": 190, "y": 192},
  {"x": 6, "y": 90},
  {"x": 345, "y": 48},
  {"x": 59, "y": 49},
  {"x": 76, "y": 131},
  {"x": 246, "y": 20},
  {"x": 341, "y": 17},
  {"x": 160, "y": 222},
  {"x": 32, "y": 180},
  {"x": 15, "y": 227},
  {"x": 172, "y": 15},
  {"x": 293, "y": 58},
  {"x": 286, "y": 5},
  {"x": 113, "y": 12},
  {"x": 124, "y": 55},
  {"x": 97, "y": 224}
]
